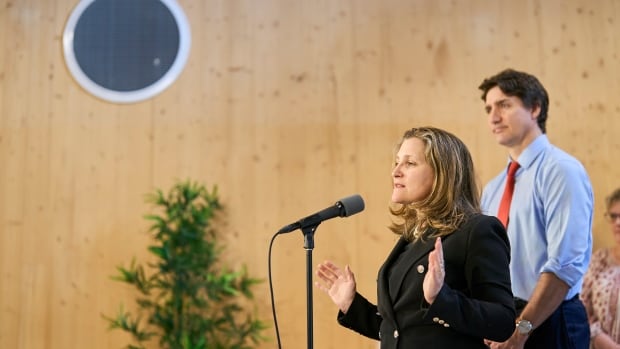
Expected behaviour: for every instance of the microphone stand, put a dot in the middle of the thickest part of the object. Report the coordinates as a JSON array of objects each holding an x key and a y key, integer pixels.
[{"x": 309, "y": 246}]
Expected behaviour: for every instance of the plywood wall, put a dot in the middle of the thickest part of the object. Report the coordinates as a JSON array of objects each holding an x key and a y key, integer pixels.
[{"x": 287, "y": 106}]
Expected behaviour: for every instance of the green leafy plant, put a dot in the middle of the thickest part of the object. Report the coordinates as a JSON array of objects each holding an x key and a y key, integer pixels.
[{"x": 189, "y": 300}]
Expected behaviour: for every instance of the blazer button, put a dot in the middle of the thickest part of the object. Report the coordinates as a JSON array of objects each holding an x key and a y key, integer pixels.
[
  {"x": 441, "y": 322},
  {"x": 446, "y": 325},
  {"x": 435, "y": 319},
  {"x": 420, "y": 269},
  {"x": 395, "y": 333}
]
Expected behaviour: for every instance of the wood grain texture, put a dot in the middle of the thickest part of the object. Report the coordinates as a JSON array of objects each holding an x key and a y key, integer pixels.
[{"x": 286, "y": 106}]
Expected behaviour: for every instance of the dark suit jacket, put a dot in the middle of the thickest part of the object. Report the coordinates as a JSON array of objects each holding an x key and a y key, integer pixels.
[{"x": 474, "y": 303}]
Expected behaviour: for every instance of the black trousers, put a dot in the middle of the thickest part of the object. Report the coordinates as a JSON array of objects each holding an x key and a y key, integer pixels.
[{"x": 566, "y": 328}]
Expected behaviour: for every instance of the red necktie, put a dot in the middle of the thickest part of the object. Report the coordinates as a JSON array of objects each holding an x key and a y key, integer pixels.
[{"x": 504, "y": 206}]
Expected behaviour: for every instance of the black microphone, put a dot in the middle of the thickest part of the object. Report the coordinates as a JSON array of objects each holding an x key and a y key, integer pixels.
[{"x": 343, "y": 208}]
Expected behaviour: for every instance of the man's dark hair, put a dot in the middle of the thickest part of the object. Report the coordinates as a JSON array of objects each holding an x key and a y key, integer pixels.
[{"x": 522, "y": 85}]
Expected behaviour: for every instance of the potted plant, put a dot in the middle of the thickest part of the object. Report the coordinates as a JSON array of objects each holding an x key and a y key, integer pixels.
[{"x": 188, "y": 298}]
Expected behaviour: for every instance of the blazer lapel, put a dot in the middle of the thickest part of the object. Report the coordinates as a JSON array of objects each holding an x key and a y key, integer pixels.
[
  {"x": 387, "y": 287},
  {"x": 389, "y": 283},
  {"x": 384, "y": 301},
  {"x": 418, "y": 252}
]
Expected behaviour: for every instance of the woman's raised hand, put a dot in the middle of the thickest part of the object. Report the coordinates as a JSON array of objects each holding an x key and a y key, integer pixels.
[
  {"x": 433, "y": 280},
  {"x": 339, "y": 284}
]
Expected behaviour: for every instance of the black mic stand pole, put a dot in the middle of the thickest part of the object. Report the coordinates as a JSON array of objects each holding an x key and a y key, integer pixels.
[{"x": 309, "y": 246}]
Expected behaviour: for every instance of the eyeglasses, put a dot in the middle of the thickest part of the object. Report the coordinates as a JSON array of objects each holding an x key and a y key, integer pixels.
[{"x": 611, "y": 217}]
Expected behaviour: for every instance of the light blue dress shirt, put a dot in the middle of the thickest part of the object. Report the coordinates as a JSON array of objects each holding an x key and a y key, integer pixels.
[{"x": 550, "y": 220}]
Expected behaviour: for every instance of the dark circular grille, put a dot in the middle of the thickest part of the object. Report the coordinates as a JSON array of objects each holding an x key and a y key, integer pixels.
[{"x": 126, "y": 45}]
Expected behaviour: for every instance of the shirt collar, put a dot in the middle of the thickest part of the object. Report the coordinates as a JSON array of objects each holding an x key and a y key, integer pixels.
[{"x": 531, "y": 152}]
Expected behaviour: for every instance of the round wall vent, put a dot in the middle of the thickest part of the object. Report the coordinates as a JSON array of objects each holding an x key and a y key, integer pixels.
[{"x": 126, "y": 51}]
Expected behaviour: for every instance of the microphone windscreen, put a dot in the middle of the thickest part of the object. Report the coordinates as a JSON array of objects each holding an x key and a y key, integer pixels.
[{"x": 352, "y": 204}]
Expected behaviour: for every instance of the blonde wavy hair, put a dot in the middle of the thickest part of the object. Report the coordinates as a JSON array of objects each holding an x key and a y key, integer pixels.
[{"x": 455, "y": 195}]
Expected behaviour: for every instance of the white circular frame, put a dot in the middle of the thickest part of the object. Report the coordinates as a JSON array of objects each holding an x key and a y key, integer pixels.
[{"x": 127, "y": 96}]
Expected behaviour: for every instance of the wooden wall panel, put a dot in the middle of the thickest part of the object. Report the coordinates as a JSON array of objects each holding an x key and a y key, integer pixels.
[{"x": 287, "y": 106}]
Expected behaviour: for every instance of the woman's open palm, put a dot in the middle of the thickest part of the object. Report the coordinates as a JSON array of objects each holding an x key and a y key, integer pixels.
[{"x": 339, "y": 284}]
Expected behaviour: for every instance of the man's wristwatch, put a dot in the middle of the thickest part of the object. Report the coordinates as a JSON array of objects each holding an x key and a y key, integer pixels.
[{"x": 524, "y": 327}]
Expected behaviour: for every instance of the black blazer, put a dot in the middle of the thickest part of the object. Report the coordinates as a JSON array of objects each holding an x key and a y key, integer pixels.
[{"x": 475, "y": 302}]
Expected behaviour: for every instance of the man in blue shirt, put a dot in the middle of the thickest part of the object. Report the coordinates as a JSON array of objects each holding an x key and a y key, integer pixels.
[{"x": 549, "y": 222}]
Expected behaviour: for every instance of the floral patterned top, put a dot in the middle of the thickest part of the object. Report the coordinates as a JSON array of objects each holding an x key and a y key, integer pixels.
[{"x": 600, "y": 290}]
